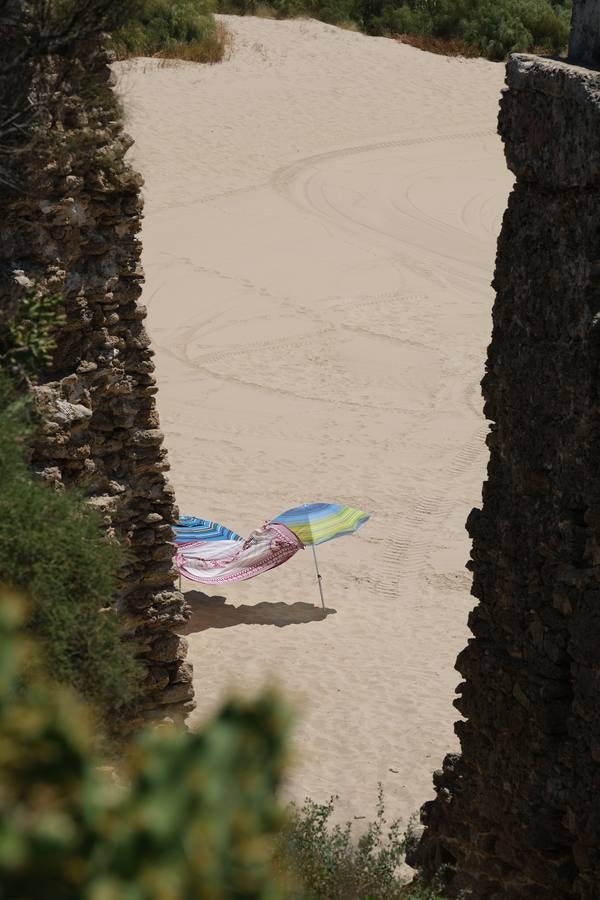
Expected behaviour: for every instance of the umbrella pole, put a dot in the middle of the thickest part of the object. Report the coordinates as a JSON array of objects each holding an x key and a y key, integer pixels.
[{"x": 318, "y": 576}]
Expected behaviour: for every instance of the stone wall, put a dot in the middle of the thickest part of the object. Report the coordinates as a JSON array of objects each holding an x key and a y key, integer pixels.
[
  {"x": 68, "y": 225},
  {"x": 517, "y": 814},
  {"x": 584, "y": 46}
]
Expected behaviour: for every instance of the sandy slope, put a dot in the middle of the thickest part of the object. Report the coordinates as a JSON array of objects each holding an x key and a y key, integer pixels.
[{"x": 321, "y": 217}]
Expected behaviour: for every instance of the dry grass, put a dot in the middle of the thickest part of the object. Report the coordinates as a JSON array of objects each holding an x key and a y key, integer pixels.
[
  {"x": 442, "y": 46},
  {"x": 546, "y": 51},
  {"x": 210, "y": 51},
  {"x": 264, "y": 11},
  {"x": 348, "y": 25},
  {"x": 452, "y": 47}
]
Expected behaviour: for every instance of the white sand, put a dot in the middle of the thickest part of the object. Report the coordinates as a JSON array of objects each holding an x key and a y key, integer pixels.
[{"x": 321, "y": 218}]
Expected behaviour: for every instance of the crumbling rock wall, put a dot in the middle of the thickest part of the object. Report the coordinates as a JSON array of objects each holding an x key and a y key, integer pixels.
[
  {"x": 68, "y": 226},
  {"x": 517, "y": 814},
  {"x": 584, "y": 46}
]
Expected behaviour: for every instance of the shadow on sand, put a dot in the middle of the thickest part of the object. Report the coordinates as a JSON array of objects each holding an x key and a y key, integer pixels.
[{"x": 215, "y": 612}]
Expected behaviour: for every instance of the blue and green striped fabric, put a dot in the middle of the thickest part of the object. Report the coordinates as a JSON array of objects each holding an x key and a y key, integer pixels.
[
  {"x": 315, "y": 523},
  {"x": 191, "y": 528}
]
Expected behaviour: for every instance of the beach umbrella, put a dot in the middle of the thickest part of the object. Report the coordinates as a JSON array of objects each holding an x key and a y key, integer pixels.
[
  {"x": 191, "y": 528},
  {"x": 315, "y": 523}
]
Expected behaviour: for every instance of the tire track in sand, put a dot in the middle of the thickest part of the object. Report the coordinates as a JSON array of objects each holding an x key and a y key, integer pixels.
[{"x": 285, "y": 178}]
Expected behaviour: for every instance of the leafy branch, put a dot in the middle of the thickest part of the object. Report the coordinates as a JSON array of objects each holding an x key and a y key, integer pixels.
[{"x": 28, "y": 336}]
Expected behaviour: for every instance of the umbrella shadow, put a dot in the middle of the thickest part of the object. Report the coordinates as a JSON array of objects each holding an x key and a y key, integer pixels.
[{"x": 215, "y": 612}]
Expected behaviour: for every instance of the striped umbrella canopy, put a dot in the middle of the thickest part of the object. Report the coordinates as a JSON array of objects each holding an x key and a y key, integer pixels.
[
  {"x": 315, "y": 523},
  {"x": 191, "y": 528}
]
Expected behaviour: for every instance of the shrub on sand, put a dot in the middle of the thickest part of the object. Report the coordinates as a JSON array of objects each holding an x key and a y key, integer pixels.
[
  {"x": 211, "y": 50},
  {"x": 322, "y": 861},
  {"x": 441, "y": 46},
  {"x": 490, "y": 28},
  {"x": 174, "y": 29},
  {"x": 348, "y": 25},
  {"x": 264, "y": 11}
]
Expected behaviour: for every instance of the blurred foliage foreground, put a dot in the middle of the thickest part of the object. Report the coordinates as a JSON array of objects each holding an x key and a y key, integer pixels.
[
  {"x": 193, "y": 816},
  {"x": 189, "y": 817}
]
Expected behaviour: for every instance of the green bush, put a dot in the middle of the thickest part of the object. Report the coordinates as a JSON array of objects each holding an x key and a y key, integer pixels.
[
  {"x": 191, "y": 816},
  {"x": 51, "y": 547},
  {"x": 325, "y": 862},
  {"x": 494, "y": 28},
  {"x": 165, "y": 27}
]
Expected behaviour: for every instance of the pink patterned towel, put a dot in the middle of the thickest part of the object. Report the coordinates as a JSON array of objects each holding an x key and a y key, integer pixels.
[{"x": 219, "y": 562}]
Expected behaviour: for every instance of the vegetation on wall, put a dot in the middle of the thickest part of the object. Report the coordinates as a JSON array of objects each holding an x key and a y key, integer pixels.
[
  {"x": 491, "y": 28},
  {"x": 42, "y": 46},
  {"x": 51, "y": 544},
  {"x": 52, "y": 547},
  {"x": 27, "y": 332},
  {"x": 59, "y": 35}
]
